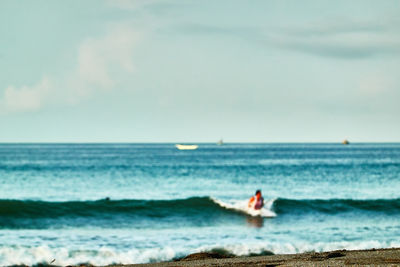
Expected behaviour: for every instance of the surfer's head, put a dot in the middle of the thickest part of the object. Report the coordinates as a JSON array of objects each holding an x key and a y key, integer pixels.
[{"x": 258, "y": 192}]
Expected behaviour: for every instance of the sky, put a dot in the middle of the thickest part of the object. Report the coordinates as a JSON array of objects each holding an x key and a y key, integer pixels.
[{"x": 197, "y": 71}]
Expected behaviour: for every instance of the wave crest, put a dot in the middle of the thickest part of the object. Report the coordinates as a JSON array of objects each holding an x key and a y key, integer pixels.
[{"x": 17, "y": 214}]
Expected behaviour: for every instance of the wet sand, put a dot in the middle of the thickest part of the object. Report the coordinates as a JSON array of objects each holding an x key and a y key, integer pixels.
[{"x": 371, "y": 257}]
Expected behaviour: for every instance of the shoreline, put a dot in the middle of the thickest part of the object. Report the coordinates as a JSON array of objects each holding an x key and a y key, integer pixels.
[{"x": 368, "y": 257}]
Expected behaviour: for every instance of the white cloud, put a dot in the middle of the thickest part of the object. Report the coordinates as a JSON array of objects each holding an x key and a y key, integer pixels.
[
  {"x": 26, "y": 98},
  {"x": 98, "y": 56},
  {"x": 99, "y": 61}
]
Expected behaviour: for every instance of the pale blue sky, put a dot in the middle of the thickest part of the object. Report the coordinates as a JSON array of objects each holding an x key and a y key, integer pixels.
[{"x": 196, "y": 71}]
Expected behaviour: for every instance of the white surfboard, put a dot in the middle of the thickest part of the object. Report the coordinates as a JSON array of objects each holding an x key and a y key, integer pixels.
[{"x": 241, "y": 206}]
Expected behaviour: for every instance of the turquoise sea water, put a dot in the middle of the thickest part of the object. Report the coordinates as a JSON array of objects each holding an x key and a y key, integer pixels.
[{"x": 134, "y": 203}]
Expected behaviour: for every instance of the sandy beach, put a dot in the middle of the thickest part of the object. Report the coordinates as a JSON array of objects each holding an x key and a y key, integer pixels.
[{"x": 371, "y": 257}]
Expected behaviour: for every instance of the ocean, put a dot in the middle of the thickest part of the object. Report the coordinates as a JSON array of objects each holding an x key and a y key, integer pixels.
[{"x": 136, "y": 203}]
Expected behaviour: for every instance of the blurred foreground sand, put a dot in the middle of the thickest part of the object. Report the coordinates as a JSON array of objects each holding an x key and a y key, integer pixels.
[{"x": 371, "y": 257}]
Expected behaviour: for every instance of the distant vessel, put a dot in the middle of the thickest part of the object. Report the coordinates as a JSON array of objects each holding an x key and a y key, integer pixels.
[
  {"x": 220, "y": 142},
  {"x": 186, "y": 147},
  {"x": 345, "y": 142}
]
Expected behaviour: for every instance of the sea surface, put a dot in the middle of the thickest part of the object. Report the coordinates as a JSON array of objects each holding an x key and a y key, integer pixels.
[{"x": 136, "y": 203}]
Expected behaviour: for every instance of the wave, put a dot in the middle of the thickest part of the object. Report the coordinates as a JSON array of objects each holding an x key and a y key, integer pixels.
[
  {"x": 30, "y": 214},
  {"x": 335, "y": 206},
  {"x": 43, "y": 214}
]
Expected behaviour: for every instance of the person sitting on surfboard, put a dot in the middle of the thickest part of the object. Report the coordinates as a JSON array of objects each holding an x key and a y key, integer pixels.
[{"x": 256, "y": 202}]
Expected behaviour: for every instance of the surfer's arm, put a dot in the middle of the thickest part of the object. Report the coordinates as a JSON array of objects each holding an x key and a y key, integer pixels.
[{"x": 250, "y": 204}]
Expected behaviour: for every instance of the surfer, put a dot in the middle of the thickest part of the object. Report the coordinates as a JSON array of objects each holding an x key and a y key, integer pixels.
[{"x": 257, "y": 201}]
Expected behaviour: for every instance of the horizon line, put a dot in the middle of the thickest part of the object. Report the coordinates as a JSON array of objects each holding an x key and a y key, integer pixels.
[{"x": 202, "y": 142}]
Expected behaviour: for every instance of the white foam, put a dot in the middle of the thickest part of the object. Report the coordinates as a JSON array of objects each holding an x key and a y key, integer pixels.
[
  {"x": 20, "y": 255},
  {"x": 241, "y": 206},
  {"x": 293, "y": 248},
  {"x": 60, "y": 256}
]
